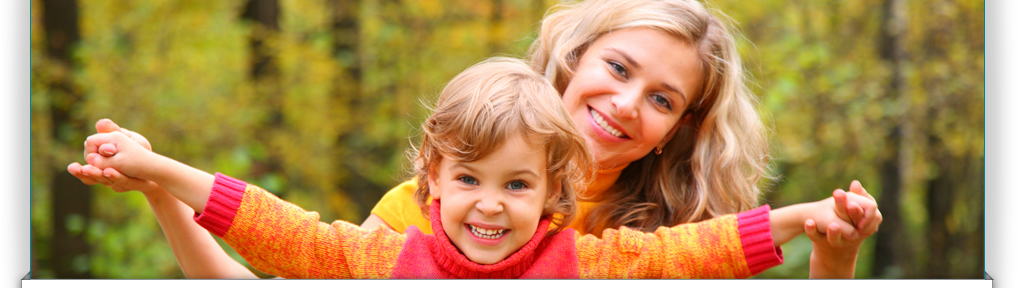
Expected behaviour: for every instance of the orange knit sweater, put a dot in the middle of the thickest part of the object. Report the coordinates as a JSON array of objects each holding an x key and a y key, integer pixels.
[{"x": 281, "y": 239}]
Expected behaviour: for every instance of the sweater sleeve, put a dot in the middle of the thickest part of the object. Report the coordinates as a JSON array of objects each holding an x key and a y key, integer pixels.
[
  {"x": 731, "y": 246},
  {"x": 282, "y": 239},
  {"x": 399, "y": 210}
]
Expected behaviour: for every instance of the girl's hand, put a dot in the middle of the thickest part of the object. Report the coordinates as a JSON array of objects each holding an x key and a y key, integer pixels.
[
  {"x": 834, "y": 256},
  {"x": 116, "y": 150},
  {"x": 109, "y": 177}
]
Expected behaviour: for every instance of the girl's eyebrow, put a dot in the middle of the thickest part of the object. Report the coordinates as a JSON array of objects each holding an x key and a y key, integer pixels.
[
  {"x": 464, "y": 166},
  {"x": 510, "y": 173},
  {"x": 522, "y": 171}
]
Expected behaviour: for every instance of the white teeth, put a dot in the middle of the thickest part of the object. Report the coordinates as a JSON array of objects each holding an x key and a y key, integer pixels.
[
  {"x": 604, "y": 124},
  {"x": 486, "y": 233}
]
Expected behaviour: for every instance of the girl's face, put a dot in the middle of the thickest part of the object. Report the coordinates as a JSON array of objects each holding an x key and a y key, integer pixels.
[
  {"x": 629, "y": 91},
  {"x": 491, "y": 207}
]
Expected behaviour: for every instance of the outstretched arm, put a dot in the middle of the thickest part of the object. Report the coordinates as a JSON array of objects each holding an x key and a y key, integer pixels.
[
  {"x": 282, "y": 239},
  {"x": 787, "y": 222},
  {"x": 730, "y": 246},
  {"x": 836, "y": 225},
  {"x": 116, "y": 150},
  {"x": 197, "y": 253}
]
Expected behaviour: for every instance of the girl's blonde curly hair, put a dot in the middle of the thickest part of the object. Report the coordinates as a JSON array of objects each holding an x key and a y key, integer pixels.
[{"x": 490, "y": 102}]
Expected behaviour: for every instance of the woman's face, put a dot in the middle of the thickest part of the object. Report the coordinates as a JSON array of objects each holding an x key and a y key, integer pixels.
[{"x": 629, "y": 91}]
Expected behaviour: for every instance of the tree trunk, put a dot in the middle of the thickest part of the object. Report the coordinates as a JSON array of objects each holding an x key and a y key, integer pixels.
[
  {"x": 71, "y": 200},
  {"x": 890, "y": 250},
  {"x": 265, "y": 75},
  {"x": 346, "y": 30},
  {"x": 266, "y": 14},
  {"x": 939, "y": 201}
]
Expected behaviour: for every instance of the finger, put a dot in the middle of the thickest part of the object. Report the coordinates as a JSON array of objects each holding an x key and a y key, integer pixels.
[
  {"x": 834, "y": 236},
  {"x": 95, "y": 174},
  {"x": 106, "y": 125},
  {"x": 123, "y": 183},
  {"x": 107, "y": 149},
  {"x": 840, "y": 204},
  {"x": 873, "y": 220},
  {"x": 811, "y": 231},
  {"x": 75, "y": 170},
  {"x": 848, "y": 232},
  {"x": 856, "y": 187},
  {"x": 856, "y": 212},
  {"x": 93, "y": 142},
  {"x": 137, "y": 138},
  {"x": 99, "y": 162}
]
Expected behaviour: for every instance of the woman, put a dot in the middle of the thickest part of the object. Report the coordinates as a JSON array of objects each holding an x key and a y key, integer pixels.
[{"x": 657, "y": 89}]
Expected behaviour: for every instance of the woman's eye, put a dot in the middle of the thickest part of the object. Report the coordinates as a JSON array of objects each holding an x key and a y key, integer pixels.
[
  {"x": 661, "y": 101},
  {"x": 516, "y": 185},
  {"x": 468, "y": 180},
  {"x": 619, "y": 69}
]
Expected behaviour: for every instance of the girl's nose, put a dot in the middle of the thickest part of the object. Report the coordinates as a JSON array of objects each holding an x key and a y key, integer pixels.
[{"x": 489, "y": 206}]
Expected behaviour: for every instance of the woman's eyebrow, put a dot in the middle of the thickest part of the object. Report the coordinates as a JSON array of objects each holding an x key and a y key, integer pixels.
[
  {"x": 669, "y": 87},
  {"x": 624, "y": 55}
]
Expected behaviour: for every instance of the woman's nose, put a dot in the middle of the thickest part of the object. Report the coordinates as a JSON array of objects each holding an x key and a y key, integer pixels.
[{"x": 627, "y": 103}]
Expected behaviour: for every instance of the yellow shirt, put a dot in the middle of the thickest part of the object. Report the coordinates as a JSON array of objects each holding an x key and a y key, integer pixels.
[{"x": 399, "y": 209}]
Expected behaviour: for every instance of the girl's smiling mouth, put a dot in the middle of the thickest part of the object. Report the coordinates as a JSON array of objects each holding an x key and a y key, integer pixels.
[
  {"x": 487, "y": 233},
  {"x": 487, "y": 236},
  {"x": 606, "y": 128}
]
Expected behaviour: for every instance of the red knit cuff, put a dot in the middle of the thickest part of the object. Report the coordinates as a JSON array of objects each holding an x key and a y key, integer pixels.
[
  {"x": 757, "y": 243},
  {"x": 222, "y": 205}
]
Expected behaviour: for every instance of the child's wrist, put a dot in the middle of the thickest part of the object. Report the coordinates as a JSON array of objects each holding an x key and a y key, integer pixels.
[
  {"x": 156, "y": 169},
  {"x": 827, "y": 266},
  {"x": 156, "y": 194}
]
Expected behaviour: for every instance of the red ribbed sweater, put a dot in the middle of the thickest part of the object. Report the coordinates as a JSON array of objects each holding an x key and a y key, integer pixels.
[{"x": 282, "y": 239}]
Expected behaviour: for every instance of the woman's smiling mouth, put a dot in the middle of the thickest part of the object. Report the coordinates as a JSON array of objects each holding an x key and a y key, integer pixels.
[{"x": 605, "y": 126}]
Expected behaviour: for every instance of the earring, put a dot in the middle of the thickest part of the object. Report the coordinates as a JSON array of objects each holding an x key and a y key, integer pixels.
[{"x": 657, "y": 150}]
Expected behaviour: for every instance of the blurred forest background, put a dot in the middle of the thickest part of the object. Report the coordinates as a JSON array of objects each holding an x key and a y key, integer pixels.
[{"x": 317, "y": 100}]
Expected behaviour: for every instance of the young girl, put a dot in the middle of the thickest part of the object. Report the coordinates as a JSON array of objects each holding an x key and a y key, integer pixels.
[{"x": 499, "y": 157}]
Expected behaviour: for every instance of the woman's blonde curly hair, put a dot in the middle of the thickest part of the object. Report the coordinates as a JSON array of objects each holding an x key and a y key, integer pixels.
[{"x": 713, "y": 163}]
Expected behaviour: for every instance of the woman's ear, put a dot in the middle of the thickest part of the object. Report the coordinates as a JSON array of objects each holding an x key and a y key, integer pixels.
[{"x": 668, "y": 137}]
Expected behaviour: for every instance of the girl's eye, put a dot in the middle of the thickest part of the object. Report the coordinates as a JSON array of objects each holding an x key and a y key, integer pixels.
[
  {"x": 516, "y": 185},
  {"x": 468, "y": 180},
  {"x": 661, "y": 101},
  {"x": 619, "y": 69}
]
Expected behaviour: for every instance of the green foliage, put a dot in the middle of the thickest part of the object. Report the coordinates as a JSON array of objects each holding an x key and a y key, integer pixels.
[
  {"x": 327, "y": 123},
  {"x": 828, "y": 89}
]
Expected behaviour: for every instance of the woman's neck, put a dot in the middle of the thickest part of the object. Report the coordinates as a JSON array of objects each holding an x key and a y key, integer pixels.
[{"x": 603, "y": 180}]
